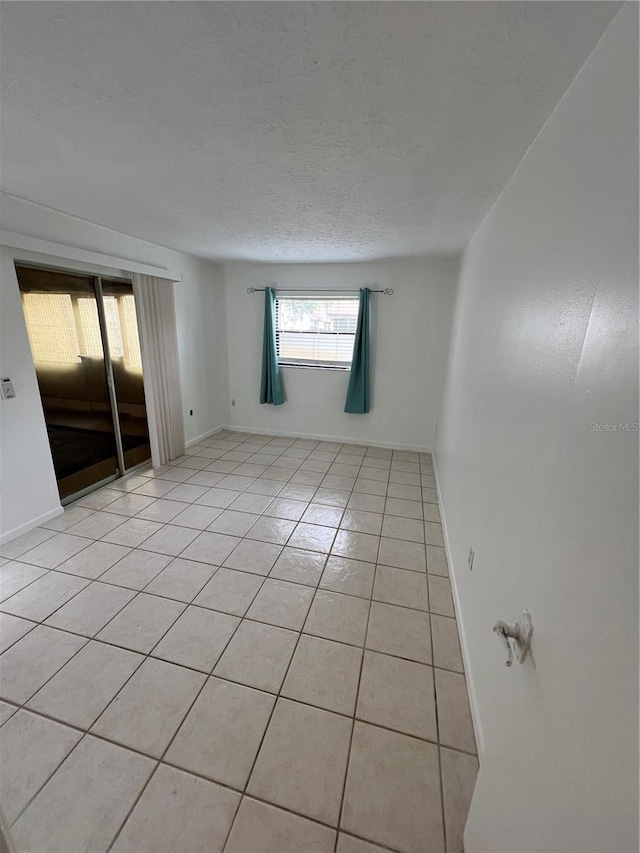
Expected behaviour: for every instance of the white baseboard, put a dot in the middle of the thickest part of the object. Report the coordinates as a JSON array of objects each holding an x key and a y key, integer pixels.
[
  {"x": 419, "y": 448},
  {"x": 464, "y": 643},
  {"x": 204, "y": 435},
  {"x": 29, "y": 525}
]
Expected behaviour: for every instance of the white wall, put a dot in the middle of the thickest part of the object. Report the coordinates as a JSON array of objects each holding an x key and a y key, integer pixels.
[
  {"x": 410, "y": 338},
  {"x": 27, "y": 477},
  {"x": 200, "y": 320},
  {"x": 545, "y": 344},
  {"x": 28, "y": 490}
]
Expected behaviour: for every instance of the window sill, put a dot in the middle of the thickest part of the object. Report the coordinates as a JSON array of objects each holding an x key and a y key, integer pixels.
[{"x": 314, "y": 367}]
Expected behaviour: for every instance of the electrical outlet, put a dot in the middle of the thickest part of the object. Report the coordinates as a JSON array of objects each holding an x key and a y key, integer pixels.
[
  {"x": 472, "y": 554},
  {"x": 7, "y": 391}
]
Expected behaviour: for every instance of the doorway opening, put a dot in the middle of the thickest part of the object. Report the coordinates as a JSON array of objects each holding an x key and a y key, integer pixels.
[{"x": 83, "y": 333}]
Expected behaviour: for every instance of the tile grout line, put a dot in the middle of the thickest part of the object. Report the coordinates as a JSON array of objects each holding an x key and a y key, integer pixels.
[
  {"x": 437, "y": 712},
  {"x": 210, "y": 674},
  {"x": 437, "y": 715},
  {"x": 316, "y": 588},
  {"x": 195, "y": 699},
  {"x": 177, "y": 556},
  {"x": 99, "y": 578},
  {"x": 353, "y": 722},
  {"x": 184, "y": 717},
  {"x": 277, "y": 698},
  {"x": 181, "y": 723},
  {"x": 87, "y": 731},
  {"x": 112, "y": 643},
  {"x": 357, "y": 696},
  {"x": 174, "y": 557},
  {"x": 212, "y": 781}
]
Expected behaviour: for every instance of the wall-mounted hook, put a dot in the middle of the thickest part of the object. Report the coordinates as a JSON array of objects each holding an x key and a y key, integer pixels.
[
  {"x": 520, "y": 633},
  {"x": 501, "y": 629}
]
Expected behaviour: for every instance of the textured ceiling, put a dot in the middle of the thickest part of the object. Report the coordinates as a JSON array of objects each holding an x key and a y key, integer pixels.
[{"x": 283, "y": 131}]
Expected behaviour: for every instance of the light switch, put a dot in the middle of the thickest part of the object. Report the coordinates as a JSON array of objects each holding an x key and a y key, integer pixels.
[{"x": 7, "y": 391}]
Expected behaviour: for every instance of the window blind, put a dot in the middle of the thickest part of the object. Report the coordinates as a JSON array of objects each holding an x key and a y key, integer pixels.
[{"x": 315, "y": 332}]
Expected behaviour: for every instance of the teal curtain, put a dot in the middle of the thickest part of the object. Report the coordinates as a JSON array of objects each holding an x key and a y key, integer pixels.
[
  {"x": 271, "y": 381},
  {"x": 357, "y": 402}
]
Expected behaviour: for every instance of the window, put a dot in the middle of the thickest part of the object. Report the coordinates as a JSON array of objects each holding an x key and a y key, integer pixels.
[
  {"x": 316, "y": 332},
  {"x": 51, "y": 327},
  {"x": 64, "y": 327}
]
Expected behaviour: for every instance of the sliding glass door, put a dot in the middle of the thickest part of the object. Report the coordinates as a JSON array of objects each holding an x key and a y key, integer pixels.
[
  {"x": 126, "y": 366},
  {"x": 84, "y": 341}
]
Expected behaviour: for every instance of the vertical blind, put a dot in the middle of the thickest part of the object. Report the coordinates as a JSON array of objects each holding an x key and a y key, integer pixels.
[{"x": 161, "y": 374}]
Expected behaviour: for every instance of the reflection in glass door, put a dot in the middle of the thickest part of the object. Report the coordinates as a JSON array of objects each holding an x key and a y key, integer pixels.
[
  {"x": 126, "y": 363},
  {"x": 87, "y": 357}
]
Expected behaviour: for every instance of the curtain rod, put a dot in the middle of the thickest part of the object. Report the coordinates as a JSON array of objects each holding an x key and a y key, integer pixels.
[{"x": 386, "y": 290}]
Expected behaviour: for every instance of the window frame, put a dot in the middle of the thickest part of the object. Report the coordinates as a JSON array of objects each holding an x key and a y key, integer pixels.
[{"x": 311, "y": 364}]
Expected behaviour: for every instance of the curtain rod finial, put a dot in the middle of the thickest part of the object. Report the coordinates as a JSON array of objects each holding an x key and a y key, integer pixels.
[
  {"x": 251, "y": 290},
  {"x": 388, "y": 291}
]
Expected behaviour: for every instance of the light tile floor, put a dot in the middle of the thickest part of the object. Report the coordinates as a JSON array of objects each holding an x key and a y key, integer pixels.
[{"x": 252, "y": 649}]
